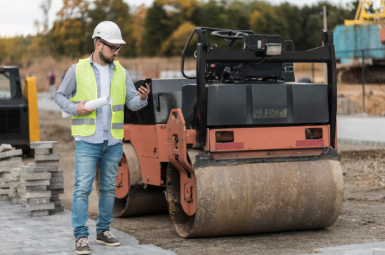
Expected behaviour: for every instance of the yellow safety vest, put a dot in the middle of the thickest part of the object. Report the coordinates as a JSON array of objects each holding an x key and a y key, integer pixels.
[{"x": 87, "y": 90}]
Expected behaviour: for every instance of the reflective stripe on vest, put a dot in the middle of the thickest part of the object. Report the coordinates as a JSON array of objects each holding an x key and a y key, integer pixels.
[
  {"x": 83, "y": 121},
  {"x": 117, "y": 108},
  {"x": 86, "y": 89},
  {"x": 117, "y": 125}
]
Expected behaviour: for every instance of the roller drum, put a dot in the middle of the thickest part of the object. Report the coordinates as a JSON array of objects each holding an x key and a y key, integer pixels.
[{"x": 259, "y": 198}]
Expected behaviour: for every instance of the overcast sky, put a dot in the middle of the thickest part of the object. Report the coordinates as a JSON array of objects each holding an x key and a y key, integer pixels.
[{"x": 17, "y": 16}]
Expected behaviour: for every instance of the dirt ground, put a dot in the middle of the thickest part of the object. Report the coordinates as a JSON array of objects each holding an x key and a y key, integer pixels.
[{"x": 362, "y": 218}]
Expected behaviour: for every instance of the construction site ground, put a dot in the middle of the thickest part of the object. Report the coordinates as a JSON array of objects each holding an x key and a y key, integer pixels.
[{"x": 362, "y": 219}]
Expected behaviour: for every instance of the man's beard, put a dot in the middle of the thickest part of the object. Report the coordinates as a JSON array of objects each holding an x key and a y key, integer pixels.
[{"x": 105, "y": 59}]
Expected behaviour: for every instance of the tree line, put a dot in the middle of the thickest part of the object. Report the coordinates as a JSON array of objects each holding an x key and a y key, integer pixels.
[{"x": 163, "y": 28}]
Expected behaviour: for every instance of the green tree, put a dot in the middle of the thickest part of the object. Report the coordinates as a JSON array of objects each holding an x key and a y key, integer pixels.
[
  {"x": 157, "y": 29},
  {"x": 69, "y": 33},
  {"x": 176, "y": 42}
]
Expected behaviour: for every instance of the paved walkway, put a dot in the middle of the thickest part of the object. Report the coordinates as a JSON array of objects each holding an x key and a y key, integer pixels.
[
  {"x": 22, "y": 234},
  {"x": 46, "y": 104},
  {"x": 377, "y": 248},
  {"x": 361, "y": 130}
]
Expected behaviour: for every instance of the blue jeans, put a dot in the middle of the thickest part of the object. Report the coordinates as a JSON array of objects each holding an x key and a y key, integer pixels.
[{"x": 87, "y": 155}]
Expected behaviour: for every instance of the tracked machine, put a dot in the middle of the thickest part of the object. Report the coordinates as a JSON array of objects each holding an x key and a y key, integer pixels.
[
  {"x": 238, "y": 149},
  {"x": 360, "y": 43}
]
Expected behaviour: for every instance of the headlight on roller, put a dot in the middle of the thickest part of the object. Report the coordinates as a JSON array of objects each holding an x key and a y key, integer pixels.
[{"x": 273, "y": 49}]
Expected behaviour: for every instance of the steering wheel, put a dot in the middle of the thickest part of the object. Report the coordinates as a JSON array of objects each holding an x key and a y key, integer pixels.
[{"x": 229, "y": 36}]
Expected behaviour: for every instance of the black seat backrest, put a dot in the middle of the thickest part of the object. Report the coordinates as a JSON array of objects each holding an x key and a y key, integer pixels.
[{"x": 165, "y": 95}]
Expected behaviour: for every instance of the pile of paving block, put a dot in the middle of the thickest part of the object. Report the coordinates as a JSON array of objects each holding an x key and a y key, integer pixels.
[
  {"x": 10, "y": 162},
  {"x": 41, "y": 182}
]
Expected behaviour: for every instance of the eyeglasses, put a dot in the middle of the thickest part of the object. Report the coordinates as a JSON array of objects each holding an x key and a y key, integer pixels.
[{"x": 112, "y": 48}]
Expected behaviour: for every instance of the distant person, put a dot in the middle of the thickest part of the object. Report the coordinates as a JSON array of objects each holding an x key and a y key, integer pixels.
[
  {"x": 51, "y": 81},
  {"x": 98, "y": 133}
]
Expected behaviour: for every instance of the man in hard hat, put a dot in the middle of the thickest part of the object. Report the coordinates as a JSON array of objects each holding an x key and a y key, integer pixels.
[{"x": 98, "y": 133}]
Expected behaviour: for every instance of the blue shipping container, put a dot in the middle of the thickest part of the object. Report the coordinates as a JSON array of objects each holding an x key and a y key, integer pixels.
[{"x": 350, "y": 40}]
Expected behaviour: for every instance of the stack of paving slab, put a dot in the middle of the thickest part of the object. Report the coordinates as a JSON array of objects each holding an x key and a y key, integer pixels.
[
  {"x": 10, "y": 162},
  {"x": 33, "y": 189},
  {"x": 46, "y": 159},
  {"x": 41, "y": 182}
]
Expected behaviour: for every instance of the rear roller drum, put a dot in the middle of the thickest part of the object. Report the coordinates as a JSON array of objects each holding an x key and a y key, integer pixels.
[{"x": 258, "y": 197}]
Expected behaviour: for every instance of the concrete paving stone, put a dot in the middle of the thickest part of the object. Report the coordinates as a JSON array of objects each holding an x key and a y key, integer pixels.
[
  {"x": 33, "y": 188},
  {"x": 51, "y": 169},
  {"x": 38, "y": 194},
  {"x": 46, "y": 164},
  {"x": 53, "y": 186},
  {"x": 57, "y": 210},
  {"x": 57, "y": 174},
  {"x": 57, "y": 203},
  {"x": 11, "y": 153},
  {"x": 6, "y": 169},
  {"x": 35, "y": 176},
  {"x": 32, "y": 169},
  {"x": 43, "y": 145},
  {"x": 54, "y": 197},
  {"x": 40, "y": 207},
  {"x": 14, "y": 185},
  {"x": 56, "y": 179},
  {"x": 6, "y": 147},
  {"x": 5, "y": 198},
  {"x": 4, "y": 191},
  {"x": 11, "y": 162},
  {"x": 4, "y": 175},
  {"x": 5, "y": 185},
  {"x": 15, "y": 171},
  {"x": 12, "y": 194},
  {"x": 49, "y": 157},
  {"x": 43, "y": 151},
  {"x": 36, "y": 183},
  {"x": 17, "y": 159},
  {"x": 39, "y": 213},
  {"x": 38, "y": 200},
  {"x": 11, "y": 178}
]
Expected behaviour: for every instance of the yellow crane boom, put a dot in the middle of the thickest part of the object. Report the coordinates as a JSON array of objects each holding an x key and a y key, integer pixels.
[{"x": 364, "y": 17}]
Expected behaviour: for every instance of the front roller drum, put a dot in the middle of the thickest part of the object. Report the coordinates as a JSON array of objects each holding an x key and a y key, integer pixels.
[{"x": 258, "y": 198}]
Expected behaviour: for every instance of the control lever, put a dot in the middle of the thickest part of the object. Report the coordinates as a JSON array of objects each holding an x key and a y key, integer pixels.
[{"x": 226, "y": 73}]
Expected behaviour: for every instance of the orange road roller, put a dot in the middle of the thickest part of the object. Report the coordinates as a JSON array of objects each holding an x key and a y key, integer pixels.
[{"x": 239, "y": 149}]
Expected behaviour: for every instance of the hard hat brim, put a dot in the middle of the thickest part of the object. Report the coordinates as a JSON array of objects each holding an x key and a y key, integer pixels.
[{"x": 118, "y": 41}]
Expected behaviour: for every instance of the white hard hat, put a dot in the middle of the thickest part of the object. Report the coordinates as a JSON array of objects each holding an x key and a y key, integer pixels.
[{"x": 108, "y": 31}]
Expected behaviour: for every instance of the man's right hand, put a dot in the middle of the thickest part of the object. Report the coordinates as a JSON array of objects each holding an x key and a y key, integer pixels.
[{"x": 82, "y": 110}]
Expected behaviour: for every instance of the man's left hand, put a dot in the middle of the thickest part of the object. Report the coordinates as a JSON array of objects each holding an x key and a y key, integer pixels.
[{"x": 144, "y": 91}]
